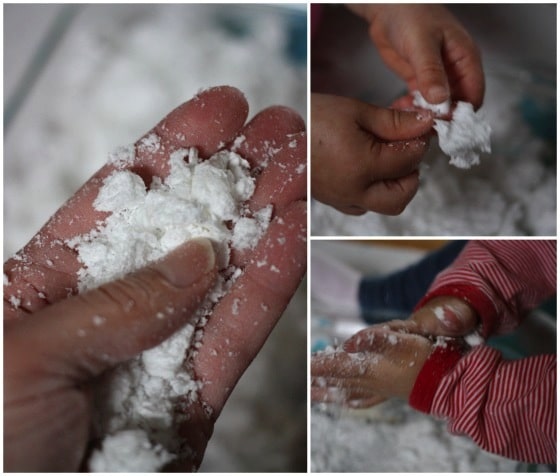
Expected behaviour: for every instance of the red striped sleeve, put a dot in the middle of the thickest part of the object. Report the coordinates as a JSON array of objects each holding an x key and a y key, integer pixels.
[
  {"x": 506, "y": 407},
  {"x": 501, "y": 279}
]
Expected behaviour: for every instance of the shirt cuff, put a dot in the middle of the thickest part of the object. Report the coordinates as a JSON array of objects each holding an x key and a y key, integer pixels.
[{"x": 440, "y": 362}]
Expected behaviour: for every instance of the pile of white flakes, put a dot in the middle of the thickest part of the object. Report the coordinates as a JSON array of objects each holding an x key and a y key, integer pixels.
[
  {"x": 197, "y": 199},
  {"x": 392, "y": 437}
]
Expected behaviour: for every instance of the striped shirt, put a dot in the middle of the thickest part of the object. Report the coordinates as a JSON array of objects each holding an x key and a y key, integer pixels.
[{"x": 506, "y": 407}]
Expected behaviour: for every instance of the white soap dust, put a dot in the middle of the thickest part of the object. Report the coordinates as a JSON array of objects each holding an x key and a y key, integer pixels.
[{"x": 197, "y": 199}]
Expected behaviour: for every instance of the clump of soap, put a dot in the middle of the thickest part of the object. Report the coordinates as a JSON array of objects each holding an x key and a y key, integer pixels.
[
  {"x": 463, "y": 138},
  {"x": 135, "y": 402}
]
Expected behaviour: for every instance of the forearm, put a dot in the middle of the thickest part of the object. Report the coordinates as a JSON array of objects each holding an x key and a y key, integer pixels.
[{"x": 506, "y": 407}]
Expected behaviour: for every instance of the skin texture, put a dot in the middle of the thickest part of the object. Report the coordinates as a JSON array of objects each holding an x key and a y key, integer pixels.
[
  {"x": 428, "y": 48},
  {"x": 351, "y": 168},
  {"x": 371, "y": 161},
  {"x": 383, "y": 361},
  {"x": 375, "y": 364},
  {"x": 53, "y": 351}
]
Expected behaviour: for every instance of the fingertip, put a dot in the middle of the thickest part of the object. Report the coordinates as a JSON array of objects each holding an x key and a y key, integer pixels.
[
  {"x": 208, "y": 121},
  {"x": 436, "y": 94}
]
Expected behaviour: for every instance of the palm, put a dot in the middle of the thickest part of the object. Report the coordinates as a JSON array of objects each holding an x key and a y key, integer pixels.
[{"x": 43, "y": 274}]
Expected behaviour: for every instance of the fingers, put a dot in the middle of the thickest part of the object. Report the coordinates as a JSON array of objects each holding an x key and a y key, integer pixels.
[
  {"x": 82, "y": 336},
  {"x": 267, "y": 134},
  {"x": 403, "y": 140},
  {"x": 431, "y": 76},
  {"x": 44, "y": 272},
  {"x": 243, "y": 319},
  {"x": 207, "y": 122},
  {"x": 391, "y": 125},
  {"x": 391, "y": 197},
  {"x": 275, "y": 144}
]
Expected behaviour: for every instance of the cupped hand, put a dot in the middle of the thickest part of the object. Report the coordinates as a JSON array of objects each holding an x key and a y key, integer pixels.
[
  {"x": 429, "y": 49},
  {"x": 373, "y": 365},
  {"x": 54, "y": 344},
  {"x": 365, "y": 158}
]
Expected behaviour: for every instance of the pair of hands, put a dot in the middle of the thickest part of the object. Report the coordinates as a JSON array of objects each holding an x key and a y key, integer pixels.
[
  {"x": 54, "y": 350},
  {"x": 384, "y": 360},
  {"x": 365, "y": 158}
]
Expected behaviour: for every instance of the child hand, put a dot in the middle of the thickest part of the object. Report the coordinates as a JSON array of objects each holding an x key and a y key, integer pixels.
[
  {"x": 429, "y": 49},
  {"x": 443, "y": 316},
  {"x": 364, "y": 157},
  {"x": 375, "y": 364}
]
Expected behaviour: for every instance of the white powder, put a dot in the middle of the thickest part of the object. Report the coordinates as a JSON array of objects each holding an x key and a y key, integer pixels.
[
  {"x": 392, "y": 437},
  {"x": 129, "y": 451},
  {"x": 197, "y": 199},
  {"x": 465, "y": 136}
]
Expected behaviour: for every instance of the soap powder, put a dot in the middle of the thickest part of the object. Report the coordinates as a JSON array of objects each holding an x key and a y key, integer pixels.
[{"x": 136, "y": 401}]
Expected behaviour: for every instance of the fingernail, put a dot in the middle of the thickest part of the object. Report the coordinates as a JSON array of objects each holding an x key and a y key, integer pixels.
[
  {"x": 424, "y": 115},
  {"x": 437, "y": 94},
  {"x": 188, "y": 263}
]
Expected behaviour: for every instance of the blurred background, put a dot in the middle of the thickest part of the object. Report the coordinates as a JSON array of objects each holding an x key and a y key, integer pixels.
[
  {"x": 80, "y": 80},
  {"x": 513, "y": 190},
  {"x": 391, "y": 437}
]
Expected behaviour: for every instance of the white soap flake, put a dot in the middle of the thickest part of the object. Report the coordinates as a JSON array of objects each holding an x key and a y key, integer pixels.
[
  {"x": 98, "y": 320},
  {"x": 150, "y": 143},
  {"x": 15, "y": 301},
  {"x": 122, "y": 156},
  {"x": 474, "y": 339}
]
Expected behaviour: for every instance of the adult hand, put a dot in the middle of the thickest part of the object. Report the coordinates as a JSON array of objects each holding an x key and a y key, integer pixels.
[
  {"x": 364, "y": 157},
  {"x": 54, "y": 349},
  {"x": 429, "y": 49},
  {"x": 373, "y": 365}
]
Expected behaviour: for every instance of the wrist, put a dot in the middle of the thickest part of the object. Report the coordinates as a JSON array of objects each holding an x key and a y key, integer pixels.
[{"x": 440, "y": 362}]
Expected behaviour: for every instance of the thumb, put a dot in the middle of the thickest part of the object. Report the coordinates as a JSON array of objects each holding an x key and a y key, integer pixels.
[
  {"x": 84, "y": 335},
  {"x": 394, "y": 125},
  {"x": 431, "y": 78}
]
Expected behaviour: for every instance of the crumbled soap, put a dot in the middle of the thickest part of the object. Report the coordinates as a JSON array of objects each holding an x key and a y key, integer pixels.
[
  {"x": 197, "y": 199},
  {"x": 464, "y": 137},
  {"x": 129, "y": 451},
  {"x": 474, "y": 339}
]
